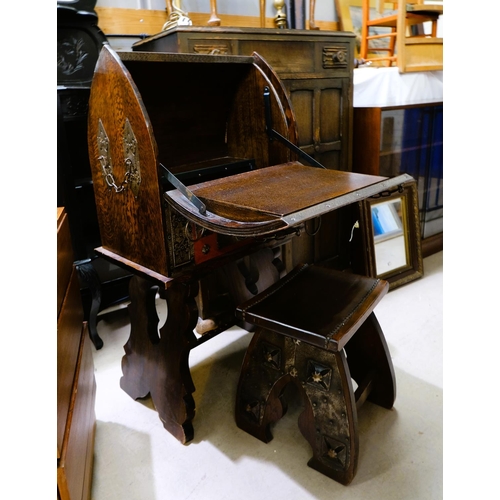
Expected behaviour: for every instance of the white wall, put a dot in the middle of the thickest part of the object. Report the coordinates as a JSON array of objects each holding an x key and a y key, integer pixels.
[{"x": 325, "y": 9}]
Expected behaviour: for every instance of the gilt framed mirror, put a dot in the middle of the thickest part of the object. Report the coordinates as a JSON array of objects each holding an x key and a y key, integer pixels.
[{"x": 392, "y": 240}]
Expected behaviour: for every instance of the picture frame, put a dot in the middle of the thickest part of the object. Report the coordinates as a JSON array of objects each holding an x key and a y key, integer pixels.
[{"x": 391, "y": 236}]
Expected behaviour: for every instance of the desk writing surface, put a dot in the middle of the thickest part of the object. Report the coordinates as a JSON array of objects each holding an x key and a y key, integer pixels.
[
  {"x": 272, "y": 198},
  {"x": 278, "y": 190}
]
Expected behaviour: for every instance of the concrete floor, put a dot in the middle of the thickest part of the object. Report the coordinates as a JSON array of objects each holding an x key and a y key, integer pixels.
[{"x": 401, "y": 450}]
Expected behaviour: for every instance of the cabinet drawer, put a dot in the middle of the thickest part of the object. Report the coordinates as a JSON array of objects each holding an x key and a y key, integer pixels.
[
  {"x": 210, "y": 46},
  {"x": 334, "y": 59},
  {"x": 290, "y": 58},
  {"x": 302, "y": 58}
]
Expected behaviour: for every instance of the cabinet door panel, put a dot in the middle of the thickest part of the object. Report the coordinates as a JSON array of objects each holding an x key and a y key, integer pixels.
[
  {"x": 303, "y": 102},
  {"x": 330, "y": 114},
  {"x": 319, "y": 107}
]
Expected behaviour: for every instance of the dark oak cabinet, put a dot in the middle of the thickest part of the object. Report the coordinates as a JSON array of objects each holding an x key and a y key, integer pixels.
[
  {"x": 79, "y": 41},
  {"x": 314, "y": 66}
]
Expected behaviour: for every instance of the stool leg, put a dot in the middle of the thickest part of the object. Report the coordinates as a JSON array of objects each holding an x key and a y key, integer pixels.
[
  {"x": 368, "y": 357},
  {"x": 329, "y": 421},
  {"x": 259, "y": 396}
]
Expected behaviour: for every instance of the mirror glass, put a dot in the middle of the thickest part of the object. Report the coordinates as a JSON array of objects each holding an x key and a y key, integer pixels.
[{"x": 390, "y": 235}]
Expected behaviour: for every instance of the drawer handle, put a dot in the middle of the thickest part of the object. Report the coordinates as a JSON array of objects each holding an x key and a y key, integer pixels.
[{"x": 335, "y": 57}]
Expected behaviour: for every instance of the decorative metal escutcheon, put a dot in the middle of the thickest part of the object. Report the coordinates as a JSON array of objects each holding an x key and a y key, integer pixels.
[
  {"x": 131, "y": 153},
  {"x": 132, "y": 177}
]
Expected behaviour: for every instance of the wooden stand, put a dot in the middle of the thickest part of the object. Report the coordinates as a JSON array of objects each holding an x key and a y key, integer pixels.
[
  {"x": 305, "y": 321},
  {"x": 156, "y": 361}
]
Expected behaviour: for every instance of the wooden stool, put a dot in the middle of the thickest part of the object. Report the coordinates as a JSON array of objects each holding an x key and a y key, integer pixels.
[{"x": 316, "y": 329}]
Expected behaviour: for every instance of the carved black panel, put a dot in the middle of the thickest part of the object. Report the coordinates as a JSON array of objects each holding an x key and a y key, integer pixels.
[{"x": 79, "y": 41}]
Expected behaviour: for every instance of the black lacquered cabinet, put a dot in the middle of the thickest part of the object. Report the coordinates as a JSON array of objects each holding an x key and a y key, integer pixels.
[{"x": 79, "y": 41}]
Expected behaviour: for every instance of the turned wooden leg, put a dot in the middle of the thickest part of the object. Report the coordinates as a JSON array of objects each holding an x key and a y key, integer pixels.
[
  {"x": 214, "y": 18},
  {"x": 369, "y": 358},
  {"x": 158, "y": 363},
  {"x": 312, "y": 9}
]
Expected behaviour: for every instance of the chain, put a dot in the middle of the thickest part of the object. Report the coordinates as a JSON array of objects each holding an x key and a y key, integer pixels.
[
  {"x": 389, "y": 192},
  {"x": 109, "y": 177}
]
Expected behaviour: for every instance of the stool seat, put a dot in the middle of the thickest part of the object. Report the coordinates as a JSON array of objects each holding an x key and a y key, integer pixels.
[
  {"x": 316, "y": 329},
  {"x": 321, "y": 306}
]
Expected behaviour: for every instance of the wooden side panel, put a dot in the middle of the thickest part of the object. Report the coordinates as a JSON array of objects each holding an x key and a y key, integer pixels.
[
  {"x": 69, "y": 327},
  {"x": 366, "y": 132},
  {"x": 286, "y": 122},
  {"x": 303, "y": 100},
  {"x": 64, "y": 256},
  {"x": 131, "y": 224},
  {"x": 246, "y": 130},
  {"x": 75, "y": 466}
]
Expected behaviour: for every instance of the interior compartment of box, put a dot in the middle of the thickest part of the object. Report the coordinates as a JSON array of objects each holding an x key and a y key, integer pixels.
[{"x": 207, "y": 119}]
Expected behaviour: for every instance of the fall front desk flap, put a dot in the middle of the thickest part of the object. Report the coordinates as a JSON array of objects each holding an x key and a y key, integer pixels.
[{"x": 265, "y": 200}]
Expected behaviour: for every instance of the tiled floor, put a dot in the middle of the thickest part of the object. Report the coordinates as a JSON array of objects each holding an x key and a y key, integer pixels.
[{"x": 401, "y": 452}]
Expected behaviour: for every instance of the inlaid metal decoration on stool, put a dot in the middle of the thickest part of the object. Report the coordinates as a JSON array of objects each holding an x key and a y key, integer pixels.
[{"x": 316, "y": 329}]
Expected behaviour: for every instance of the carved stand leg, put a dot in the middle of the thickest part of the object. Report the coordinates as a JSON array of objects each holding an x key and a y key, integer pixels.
[
  {"x": 158, "y": 363},
  {"x": 329, "y": 421}
]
